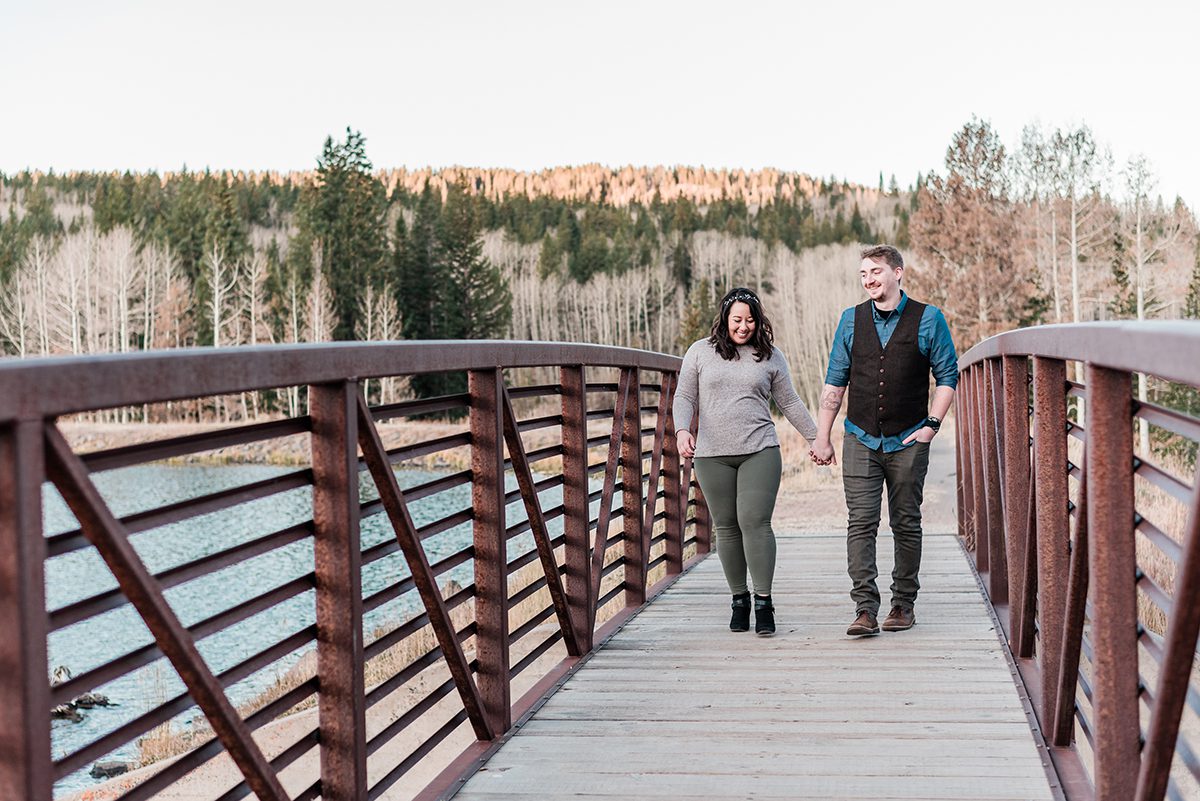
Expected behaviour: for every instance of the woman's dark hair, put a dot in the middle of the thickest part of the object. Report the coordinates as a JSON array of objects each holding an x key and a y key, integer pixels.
[{"x": 761, "y": 339}]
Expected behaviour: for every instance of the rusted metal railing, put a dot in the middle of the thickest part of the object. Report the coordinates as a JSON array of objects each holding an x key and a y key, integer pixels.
[
  {"x": 584, "y": 569},
  {"x": 1074, "y": 567}
]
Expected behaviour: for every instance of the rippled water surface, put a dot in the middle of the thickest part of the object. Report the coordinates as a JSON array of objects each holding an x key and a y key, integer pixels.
[{"x": 83, "y": 574}]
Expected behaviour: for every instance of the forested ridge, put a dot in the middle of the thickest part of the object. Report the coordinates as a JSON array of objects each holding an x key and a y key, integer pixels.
[{"x": 111, "y": 262}]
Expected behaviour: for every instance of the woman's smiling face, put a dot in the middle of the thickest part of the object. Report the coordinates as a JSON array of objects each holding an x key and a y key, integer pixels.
[{"x": 741, "y": 323}]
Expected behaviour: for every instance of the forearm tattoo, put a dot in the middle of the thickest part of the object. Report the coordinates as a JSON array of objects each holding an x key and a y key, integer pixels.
[{"x": 831, "y": 398}]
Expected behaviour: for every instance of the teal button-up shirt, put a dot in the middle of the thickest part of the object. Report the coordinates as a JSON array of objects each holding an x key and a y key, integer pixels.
[{"x": 933, "y": 341}]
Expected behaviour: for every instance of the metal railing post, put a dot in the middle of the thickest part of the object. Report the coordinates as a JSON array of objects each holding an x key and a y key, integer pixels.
[
  {"x": 631, "y": 494},
  {"x": 25, "y": 770},
  {"x": 675, "y": 499},
  {"x": 1015, "y": 452},
  {"x": 338, "y": 556},
  {"x": 491, "y": 571},
  {"x": 1053, "y": 523},
  {"x": 1114, "y": 596},
  {"x": 576, "y": 513},
  {"x": 977, "y": 500},
  {"x": 994, "y": 516}
]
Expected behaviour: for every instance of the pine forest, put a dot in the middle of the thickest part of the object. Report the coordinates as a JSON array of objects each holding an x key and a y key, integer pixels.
[{"x": 1048, "y": 230}]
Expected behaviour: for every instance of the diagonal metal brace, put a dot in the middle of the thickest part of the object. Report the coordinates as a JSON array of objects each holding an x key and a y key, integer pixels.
[
  {"x": 111, "y": 540},
  {"x": 418, "y": 564},
  {"x": 537, "y": 524}
]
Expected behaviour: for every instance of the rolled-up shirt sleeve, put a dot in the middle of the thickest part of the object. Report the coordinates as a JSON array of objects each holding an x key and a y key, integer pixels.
[
  {"x": 838, "y": 372},
  {"x": 784, "y": 394},
  {"x": 683, "y": 408},
  {"x": 943, "y": 361}
]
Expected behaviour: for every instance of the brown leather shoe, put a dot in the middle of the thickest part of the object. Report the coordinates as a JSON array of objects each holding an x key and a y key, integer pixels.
[
  {"x": 899, "y": 619},
  {"x": 864, "y": 624}
]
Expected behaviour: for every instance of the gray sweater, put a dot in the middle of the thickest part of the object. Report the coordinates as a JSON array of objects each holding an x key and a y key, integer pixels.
[{"x": 733, "y": 399}]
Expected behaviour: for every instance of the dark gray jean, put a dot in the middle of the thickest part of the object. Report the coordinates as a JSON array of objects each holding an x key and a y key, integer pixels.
[{"x": 865, "y": 474}]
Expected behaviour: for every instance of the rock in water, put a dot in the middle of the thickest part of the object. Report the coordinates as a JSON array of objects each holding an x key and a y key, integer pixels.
[
  {"x": 89, "y": 700},
  {"x": 65, "y": 712},
  {"x": 106, "y": 770}
]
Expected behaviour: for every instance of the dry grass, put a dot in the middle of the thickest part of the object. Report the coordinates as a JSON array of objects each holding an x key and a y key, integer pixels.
[
  {"x": 1170, "y": 516},
  {"x": 171, "y": 739}
]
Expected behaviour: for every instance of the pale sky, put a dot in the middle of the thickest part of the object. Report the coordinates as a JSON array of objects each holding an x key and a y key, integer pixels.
[{"x": 831, "y": 88}]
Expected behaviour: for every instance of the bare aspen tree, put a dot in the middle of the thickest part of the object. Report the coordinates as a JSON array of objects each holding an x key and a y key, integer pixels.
[
  {"x": 174, "y": 305},
  {"x": 1152, "y": 231},
  {"x": 809, "y": 291},
  {"x": 73, "y": 269},
  {"x": 320, "y": 317},
  {"x": 296, "y": 325},
  {"x": 119, "y": 269},
  {"x": 15, "y": 318},
  {"x": 118, "y": 279},
  {"x": 1081, "y": 167},
  {"x": 254, "y": 290},
  {"x": 222, "y": 278},
  {"x": 387, "y": 328},
  {"x": 151, "y": 273},
  {"x": 1035, "y": 166},
  {"x": 364, "y": 324},
  {"x": 155, "y": 285},
  {"x": 37, "y": 265}
]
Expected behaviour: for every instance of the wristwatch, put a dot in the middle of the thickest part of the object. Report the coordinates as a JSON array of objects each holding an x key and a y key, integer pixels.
[{"x": 933, "y": 422}]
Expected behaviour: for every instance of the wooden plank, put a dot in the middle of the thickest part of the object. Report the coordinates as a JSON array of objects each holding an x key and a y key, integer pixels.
[
  {"x": 529, "y": 783},
  {"x": 677, "y": 706}
]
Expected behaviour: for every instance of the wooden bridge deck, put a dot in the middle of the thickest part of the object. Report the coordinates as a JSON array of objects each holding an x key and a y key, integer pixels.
[{"x": 676, "y": 706}]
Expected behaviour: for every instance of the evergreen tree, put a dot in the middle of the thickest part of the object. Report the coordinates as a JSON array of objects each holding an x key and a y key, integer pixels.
[
  {"x": 225, "y": 226},
  {"x": 682, "y": 265},
  {"x": 621, "y": 257},
  {"x": 550, "y": 258},
  {"x": 699, "y": 315},
  {"x": 1124, "y": 302},
  {"x": 419, "y": 279},
  {"x": 569, "y": 236},
  {"x": 477, "y": 303},
  {"x": 470, "y": 298},
  {"x": 592, "y": 257},
  {"x": 112, "y": 204},
  {"x": 185, "y": 223},
  {"x": 346, "y": 214},
  {"x": 859, "y": 230}
]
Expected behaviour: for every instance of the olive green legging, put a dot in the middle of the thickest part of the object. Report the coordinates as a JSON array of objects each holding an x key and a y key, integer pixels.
[{"x": 740, "y": 492}]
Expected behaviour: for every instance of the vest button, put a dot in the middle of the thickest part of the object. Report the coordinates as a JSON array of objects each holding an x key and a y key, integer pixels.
[
  {"x": 881, "y": 383},
  {"x": 881, "y": 408},
  {"x": 881, "y": 371}
]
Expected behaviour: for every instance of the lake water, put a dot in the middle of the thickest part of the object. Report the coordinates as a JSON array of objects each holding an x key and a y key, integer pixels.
[{"x": 95, "y": 641}]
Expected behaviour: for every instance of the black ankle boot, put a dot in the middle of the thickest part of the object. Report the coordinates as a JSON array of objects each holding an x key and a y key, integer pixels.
[
  {"x": 741, "y": 613},
  {"x": 764, "y": 616}
]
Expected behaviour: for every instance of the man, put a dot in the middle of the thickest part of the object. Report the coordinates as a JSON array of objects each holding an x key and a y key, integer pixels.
[{"x": 884, "y": 350}]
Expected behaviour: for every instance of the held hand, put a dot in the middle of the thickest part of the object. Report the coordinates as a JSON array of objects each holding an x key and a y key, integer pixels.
[
  {"x": 822, "y": 452},
  {"x": 922, "y": 434},
  {"x": 686, "y": 443}
]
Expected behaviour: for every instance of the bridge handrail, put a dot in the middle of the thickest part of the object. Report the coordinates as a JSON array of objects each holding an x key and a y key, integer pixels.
[
  {"x": 60, "y": 385},
  {"x": 1028, "y": 438},
  {"x": 583, "y": 570}
]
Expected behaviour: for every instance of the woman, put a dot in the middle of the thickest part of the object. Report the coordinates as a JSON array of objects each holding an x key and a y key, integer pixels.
[{"x": 731, "y": 378}]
